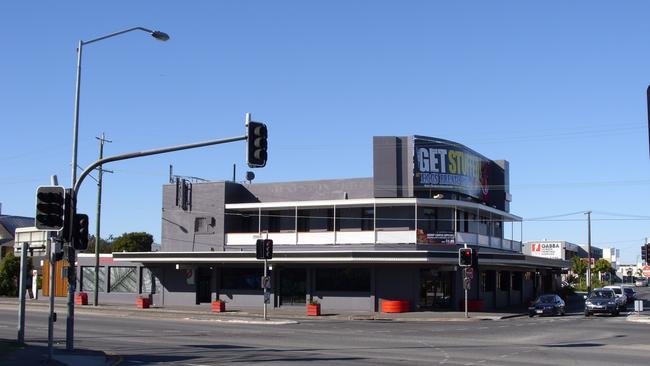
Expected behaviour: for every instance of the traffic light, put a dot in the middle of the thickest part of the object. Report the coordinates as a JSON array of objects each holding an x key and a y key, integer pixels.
[
  {"x": 256, "y": 142},
  {"x": 268, "y": 248},
  {"x": 80, "y": 232},
  {"x": 264, "y": 249},
  {"x": 50, "y": 208},
  {"x": 645, "y": 255},
  {"x": 259, "y": 249},
  {"x": 465, "y": 257}
]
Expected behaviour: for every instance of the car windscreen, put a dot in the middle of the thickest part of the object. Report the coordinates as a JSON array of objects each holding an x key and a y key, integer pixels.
[
  {"x": 546, "y": 299},
  {"x": 628, "y": 290},
  {"x": 602, "y": 294}
]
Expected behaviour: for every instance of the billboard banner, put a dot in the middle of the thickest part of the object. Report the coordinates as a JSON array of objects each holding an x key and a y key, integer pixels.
[
  {"x": 547, "y": 250},
  {"x": 447, "y": 166}
]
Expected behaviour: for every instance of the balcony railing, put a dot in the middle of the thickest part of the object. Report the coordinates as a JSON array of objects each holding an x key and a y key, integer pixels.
[{"x": 364, "y": 237}]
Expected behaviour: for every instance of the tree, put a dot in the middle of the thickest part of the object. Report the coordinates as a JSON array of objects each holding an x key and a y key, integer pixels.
[
  {"x": 133, "y": 242},
  {"x": 579, "y": 267},
  {"x": 9, "y": 274},
  {"x": 105, "y": 246},
  {"x": 603, "y": 266}
]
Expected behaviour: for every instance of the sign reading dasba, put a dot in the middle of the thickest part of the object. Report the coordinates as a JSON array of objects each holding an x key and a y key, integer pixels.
[
  {"x": 456, "y": 169},
  {"x": 546, "y": 250}
]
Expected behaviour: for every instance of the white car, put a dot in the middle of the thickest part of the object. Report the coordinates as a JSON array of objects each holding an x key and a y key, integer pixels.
[
  {"x": 621, "y": 298},
  {"x": 641, "y": 282}
]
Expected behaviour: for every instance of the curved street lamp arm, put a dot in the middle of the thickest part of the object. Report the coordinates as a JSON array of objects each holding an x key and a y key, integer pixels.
[{"x": 118, "y": 33}]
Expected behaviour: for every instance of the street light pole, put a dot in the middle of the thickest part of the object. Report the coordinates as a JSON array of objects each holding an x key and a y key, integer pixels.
[{"x": 71, "y": 255}]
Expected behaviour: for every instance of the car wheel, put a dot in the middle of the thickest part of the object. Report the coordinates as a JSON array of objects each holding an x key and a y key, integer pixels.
[
  {"x": 615, "y": 313},
  {"x": 587, "y": 313},
  {"x": 562, "y": 313},
  {"x": 531, "y": 315}
]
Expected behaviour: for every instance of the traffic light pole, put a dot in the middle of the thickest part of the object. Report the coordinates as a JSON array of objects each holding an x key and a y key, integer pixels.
[
  {"x": 72, "y": 278},
  {"x": 21, "y": 294},
  {"x": 266, "y": 268}
]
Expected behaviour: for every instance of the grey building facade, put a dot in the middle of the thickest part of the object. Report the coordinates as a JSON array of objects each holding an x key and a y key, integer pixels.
[{"x": 348, "y": 243}]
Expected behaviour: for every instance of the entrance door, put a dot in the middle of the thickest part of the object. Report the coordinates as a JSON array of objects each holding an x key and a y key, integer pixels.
[
  {"x": 435, "y": 289},
  {"x": 293, "y": 289},
  {"x": 203, "y": 288}
]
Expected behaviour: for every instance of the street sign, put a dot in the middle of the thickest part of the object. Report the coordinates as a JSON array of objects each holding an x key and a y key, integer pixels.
[
  {"x": 467, "y": 283},
  {"x": 37, "y": 240},
  {"x": 469, "y": 273},
  {"x": 266, "y": 282}
]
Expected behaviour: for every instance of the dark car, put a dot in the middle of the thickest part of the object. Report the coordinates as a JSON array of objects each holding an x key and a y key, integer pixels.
[
  {"x": 549, "y": 304},
  {"x": 601, "y": 300},
  {"x": 630, "y": 293}
]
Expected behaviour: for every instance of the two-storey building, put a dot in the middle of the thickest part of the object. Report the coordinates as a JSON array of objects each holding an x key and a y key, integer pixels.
[{"x": 349, "y": 243}]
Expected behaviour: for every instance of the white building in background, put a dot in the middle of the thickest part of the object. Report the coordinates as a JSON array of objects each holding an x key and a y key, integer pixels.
[{"x": 613, "y": 255}]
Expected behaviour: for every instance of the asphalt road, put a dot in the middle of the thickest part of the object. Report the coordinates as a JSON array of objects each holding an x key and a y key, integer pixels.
[{"x": 568, "y": 340}]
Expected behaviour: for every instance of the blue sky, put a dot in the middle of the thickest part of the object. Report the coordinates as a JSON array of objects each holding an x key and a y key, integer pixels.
[{"x": 555, "y": 87}]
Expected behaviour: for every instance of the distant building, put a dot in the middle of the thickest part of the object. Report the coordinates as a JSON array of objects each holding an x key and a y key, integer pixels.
[
  {"x": 613, "y": 255},
  {"x": 8, "y": 226},
  {"x": 596, "y": 253}
]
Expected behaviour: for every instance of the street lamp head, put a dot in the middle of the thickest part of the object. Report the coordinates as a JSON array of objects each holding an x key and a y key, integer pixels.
[{"x": 161, "y": 36}]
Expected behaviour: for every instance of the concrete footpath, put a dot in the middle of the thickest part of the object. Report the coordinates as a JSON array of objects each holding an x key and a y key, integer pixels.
[{"x": 37, "y": 354}]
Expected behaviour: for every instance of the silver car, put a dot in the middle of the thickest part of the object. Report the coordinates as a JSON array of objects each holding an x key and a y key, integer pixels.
[{"x": 601, "y": 300}]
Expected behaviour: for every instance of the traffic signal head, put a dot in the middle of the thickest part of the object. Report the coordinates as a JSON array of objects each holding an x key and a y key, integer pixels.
[
  {"x": 80, "y": 232},
  {"x": 465, "y": 257},
  {"x": 268, "y": 248},
  {"x": 259, "y": 249},
  {"x": 50, "y": 208},
  {"x": 256, "y": 144},
  {"x": 264, "y": 249}
]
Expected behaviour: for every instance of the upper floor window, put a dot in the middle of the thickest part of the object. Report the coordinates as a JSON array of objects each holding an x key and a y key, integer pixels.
[
  {"x": 316, "y": 219},
  {"x": 355, "y": 218}
]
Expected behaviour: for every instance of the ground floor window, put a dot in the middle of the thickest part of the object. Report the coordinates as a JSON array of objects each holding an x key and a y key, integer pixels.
[
  {"x": 516, "y": 281},
  {"x": 503, "y": 280},
  {"x": 241, "y": 278},
  {"x": 123, "y": 279},
  {"x": 343, "y": 279},
  {"x": 292, "y": 286},
  {"x": 488, "y": 281},
  {"x": 435, "y": 289}
]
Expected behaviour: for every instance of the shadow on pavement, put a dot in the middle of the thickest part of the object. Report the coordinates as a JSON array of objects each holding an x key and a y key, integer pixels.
[{"x": 574, "y": 345}]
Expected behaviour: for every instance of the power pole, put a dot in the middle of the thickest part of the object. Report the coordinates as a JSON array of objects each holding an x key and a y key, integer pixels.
[
  {"x": 588, "y": 213},
  {"x": 102, "y": 140}
]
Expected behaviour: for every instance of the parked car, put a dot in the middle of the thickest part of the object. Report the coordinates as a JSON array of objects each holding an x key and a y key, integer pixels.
[
  {"x": 641, "y": 282},
  {"x": 630, "y": 293},
  {"x": 601, "y": 300},
  {"x": 549, "y": 304},
  {"x": 621, "y": 299}
]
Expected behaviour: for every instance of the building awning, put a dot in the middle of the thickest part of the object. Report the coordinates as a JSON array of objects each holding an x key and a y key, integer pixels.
[{"x": 447, "y": 257}]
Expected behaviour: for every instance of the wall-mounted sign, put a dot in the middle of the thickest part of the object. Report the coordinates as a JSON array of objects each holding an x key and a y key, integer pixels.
[
  {"x": 438, "y": 237},
  {"x": 546, "y": 250}
]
